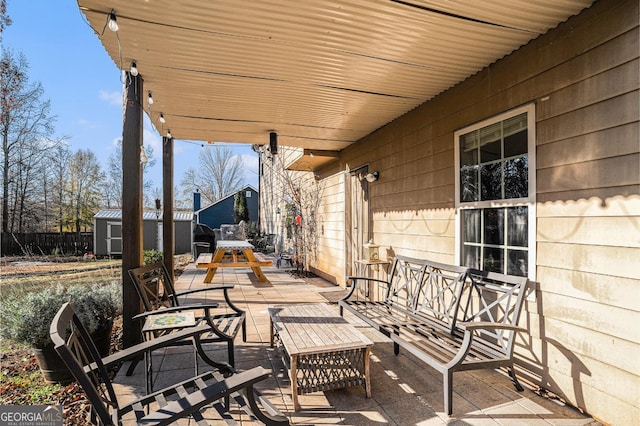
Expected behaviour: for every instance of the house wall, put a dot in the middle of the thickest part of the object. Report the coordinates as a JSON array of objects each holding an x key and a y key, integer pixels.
[{"x": 583, "y": 78}]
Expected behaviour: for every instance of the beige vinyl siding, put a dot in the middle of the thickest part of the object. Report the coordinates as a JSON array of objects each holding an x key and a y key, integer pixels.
[
  {"x": 331, "y": 235},
  {"x": 583, "y": 78}
]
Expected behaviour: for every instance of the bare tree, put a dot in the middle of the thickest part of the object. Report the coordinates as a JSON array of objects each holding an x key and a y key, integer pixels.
[
  {"x": 220, "y": 173},
  {"x": 59, "y": 163},
  {"x": 5, "y": 21},
  {"x": 113, "y": 180},
  {"x": 25, "y": 122},
  {"x": 84, "y": 186}
]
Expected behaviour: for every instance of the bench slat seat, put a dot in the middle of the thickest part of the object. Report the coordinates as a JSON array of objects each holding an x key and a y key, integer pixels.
[{"x": 450, "y": 317}]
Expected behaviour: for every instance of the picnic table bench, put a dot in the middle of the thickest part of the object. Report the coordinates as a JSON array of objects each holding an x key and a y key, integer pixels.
[
  {"x": 233, "y": 254},
  {"x": 450, "y": 317}
]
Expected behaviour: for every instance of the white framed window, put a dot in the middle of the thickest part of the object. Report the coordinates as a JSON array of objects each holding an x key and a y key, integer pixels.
[{"x": 495, "y": 193}]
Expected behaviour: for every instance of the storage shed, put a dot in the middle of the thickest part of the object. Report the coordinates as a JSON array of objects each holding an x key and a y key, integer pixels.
[
  {"x": 107, "y": 234},
  {"x": 221, "y": 211}
]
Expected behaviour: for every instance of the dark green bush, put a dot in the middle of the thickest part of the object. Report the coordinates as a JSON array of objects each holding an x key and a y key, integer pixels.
[{"x": 152, "y": 256}]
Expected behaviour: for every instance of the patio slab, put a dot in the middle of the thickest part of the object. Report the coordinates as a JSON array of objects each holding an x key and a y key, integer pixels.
[{"x": 404, "y": 390}]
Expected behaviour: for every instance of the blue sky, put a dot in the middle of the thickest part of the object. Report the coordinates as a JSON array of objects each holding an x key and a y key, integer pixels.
[{"x": 83, "y": 84}]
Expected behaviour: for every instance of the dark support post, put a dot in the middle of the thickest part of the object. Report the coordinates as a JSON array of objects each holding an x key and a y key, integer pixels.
[
  {"x": 167, "y": 195},
  {"x": 131, "y": 208}
]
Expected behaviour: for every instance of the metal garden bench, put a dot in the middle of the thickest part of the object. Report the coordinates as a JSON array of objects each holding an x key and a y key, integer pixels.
[{"x": 449, "y": 317}]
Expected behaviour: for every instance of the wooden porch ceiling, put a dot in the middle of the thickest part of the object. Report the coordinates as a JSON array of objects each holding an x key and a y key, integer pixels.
[{"x": 321, "y": 73}]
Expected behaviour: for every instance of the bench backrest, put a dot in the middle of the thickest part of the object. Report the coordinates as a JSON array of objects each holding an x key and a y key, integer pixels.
[
  {"x": 497, "y": 298},
  {"x": 404, "y": 281},
  {"x": 441, "y": 292}
]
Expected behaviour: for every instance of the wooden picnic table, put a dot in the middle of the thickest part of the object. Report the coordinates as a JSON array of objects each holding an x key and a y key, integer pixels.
[{"x": 233, "y": 254}]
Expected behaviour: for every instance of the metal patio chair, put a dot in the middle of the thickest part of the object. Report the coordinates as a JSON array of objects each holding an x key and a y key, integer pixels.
[
  {"x": 188, "y": 398},
  {"x": 158, "y": 295}
]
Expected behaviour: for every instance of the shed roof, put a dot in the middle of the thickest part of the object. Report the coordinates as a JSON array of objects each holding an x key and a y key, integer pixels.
[
  {"x": 322, "y": 74},
  {"x": 116, "y": 214}
]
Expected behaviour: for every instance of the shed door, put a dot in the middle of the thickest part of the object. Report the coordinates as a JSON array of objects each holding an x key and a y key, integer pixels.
[{"x": 114, "y": 238}]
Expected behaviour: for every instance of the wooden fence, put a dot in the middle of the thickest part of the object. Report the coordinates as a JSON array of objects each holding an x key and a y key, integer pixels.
[{"x": 45, "y": 243}]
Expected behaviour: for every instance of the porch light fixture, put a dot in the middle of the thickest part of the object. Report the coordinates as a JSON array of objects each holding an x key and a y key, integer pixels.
[
  {"x": 372, "y": 177},
  {"x": 169, "y": 134},
  {"x": 161, "y": 119},
  {"x": 113, "y": 22},
  {"x": 134, "y": 69},
  {"x": 150, "y": 98}
]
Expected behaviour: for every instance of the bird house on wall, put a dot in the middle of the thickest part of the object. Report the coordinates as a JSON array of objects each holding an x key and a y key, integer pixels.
[{"x": 371, "y": 251}]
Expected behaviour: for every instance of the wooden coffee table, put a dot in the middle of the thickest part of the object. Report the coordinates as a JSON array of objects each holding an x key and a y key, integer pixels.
[{"x": 320, "y": 348}]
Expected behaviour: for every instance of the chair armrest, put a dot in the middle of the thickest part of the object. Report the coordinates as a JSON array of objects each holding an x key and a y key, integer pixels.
[
  {"x": 136, "y": 351},
  {"x": 225, "y": 288},
  {"x": 176, "y": 309},
  {"x": 243, "y": 381},
  {"x": 198, "y": 290}
]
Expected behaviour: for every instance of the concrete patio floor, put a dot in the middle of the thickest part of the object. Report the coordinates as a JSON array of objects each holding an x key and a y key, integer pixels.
[{"x": 404, "y": 390}]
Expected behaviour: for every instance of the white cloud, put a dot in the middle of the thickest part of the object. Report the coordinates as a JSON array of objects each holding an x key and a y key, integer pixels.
[
  {"x": 151, "y": 138},
  {"x": 113, "y": 98}
]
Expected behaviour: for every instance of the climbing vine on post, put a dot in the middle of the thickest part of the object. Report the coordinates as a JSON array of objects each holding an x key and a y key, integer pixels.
[{"x": 302, "y": 194}]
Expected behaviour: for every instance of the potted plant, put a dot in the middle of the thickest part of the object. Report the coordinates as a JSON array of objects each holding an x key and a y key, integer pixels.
[{"x": 26, "y": 318}]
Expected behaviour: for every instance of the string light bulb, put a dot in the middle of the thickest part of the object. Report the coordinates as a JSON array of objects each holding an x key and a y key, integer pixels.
[
  {"x": 134, "y": 69},
  {"x": 169, "y": 134},
  {"x": 161, "y": 119},
  {"x": 113, "y": 22},
  {"x": 143, "y": 156},
  {"x": 150, "y": 98}
]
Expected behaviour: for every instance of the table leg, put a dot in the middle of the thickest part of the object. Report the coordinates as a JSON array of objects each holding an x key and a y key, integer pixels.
[
  {"x": 248, "y": 253},
  {"x": 367, "y": 381},
  {"x": 293, "y": 376},
  {"x": 217, "y": 258}
]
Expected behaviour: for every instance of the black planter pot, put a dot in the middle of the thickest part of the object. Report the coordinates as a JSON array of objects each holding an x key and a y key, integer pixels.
[{"x": 54, "y": 369}]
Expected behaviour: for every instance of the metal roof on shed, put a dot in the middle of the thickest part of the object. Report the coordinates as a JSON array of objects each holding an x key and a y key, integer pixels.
[{"x": 178, "y": 216}]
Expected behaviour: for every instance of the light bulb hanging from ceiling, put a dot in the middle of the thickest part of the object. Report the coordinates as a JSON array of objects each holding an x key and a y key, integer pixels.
[
  {"x": 150, "y": 98},
  {"x": 161, "y": 119},
  {"x": 134, "y": 68},
  {"x": 169, "y": 135},
  {"x": 113, "y": 22}
]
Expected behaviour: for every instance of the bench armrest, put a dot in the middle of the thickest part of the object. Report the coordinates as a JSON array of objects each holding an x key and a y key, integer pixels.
[
  {"x": 354, "y": 285},
  {"x": 468, "y": 328}
]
